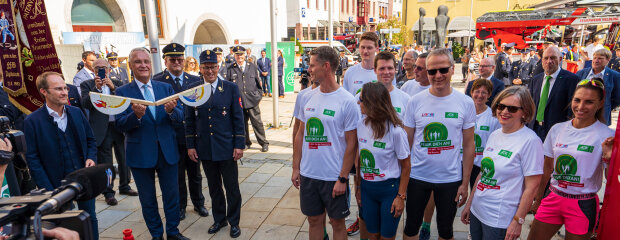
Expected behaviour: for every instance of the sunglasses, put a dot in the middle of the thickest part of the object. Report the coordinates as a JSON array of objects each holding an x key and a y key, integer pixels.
[
  {"x": 511, "y": 109},
  {"x": 592, "y": 82},
  {"x": 441, "y": 70},
  {"x": 176, "y": 59}
]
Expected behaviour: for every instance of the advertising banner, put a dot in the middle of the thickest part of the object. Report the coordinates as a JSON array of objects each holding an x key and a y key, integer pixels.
[{"x": 288, "y": 53}]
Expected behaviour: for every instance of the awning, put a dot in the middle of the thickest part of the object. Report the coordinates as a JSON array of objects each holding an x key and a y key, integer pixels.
[
  {"x": 462, "y": 23},
  {"x": 325, "y": 23},
  {"x": 463, "y": 33},
  {"x": 429, "y": 24}
]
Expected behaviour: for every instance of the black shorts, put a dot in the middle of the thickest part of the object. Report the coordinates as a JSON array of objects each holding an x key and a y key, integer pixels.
[
  {"x": 315, "y": 196},
  {"x": 419, "y": 193}
]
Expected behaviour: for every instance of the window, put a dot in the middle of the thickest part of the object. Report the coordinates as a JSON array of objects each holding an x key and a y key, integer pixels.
[
  {"x": 308, "y": 4},
  {"x": 158, "y": 18},
  {"x": 317, "y": 4}
]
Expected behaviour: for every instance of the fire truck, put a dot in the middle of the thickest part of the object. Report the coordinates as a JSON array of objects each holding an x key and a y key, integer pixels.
[
  {"x": 520, "y": 26},
  {"x": 348, "y": 40}
]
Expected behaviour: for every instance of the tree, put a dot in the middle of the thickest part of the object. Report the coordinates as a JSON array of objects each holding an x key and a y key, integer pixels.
[{"x": 404, "y": 37}]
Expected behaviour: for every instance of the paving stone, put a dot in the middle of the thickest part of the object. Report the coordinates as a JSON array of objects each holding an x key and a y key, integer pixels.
[
  {"x": 260, "y": 204},
  {"x": 271, "y": 192},
  {"x": 290, "y": 199},
  {"x": 286, "y": 216},
  {"x": 116, "y": 230},
  {"x": 274, "y": 232},
  {"x": 198, "y": 229},
  {"x": 245, "y": 172},
  {"x": 284, "y": 172},
  {"x": 108, "y": 218},
  {"x": 279, "y": 182},
  {"x": 258, "y": 177},
  {"x": 249, "y": 188},
  {"x": 252, "y": 219},
  {"x": 246, "y": 233},
  {"x": 270, "y": 168}
]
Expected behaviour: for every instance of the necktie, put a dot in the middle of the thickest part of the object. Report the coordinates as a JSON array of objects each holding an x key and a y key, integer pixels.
[
  {"x": 177, "y": 81},
  {"x": 212, "y": 88},
  {"x": 542, "y": 104},
  {"x": 149, "y": 97}
]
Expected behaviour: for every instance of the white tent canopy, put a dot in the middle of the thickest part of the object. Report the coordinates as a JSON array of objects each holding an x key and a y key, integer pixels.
[
  {"x": 462, "y": 23},
  {"x": 463, "y": 33}
]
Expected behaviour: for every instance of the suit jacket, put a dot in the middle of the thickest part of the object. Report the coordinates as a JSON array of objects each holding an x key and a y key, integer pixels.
[
  {"x": 121, "y": 76},
  {"x": 80, "y": 77},
  {"x": 217, "y": 127},
  {"x": 264, "y": 67},
  {"x": 611, "y": 79},
  {"x": 249, "y": 83},
  {"x": 558, "y": 103},
  {"x": 188, "y": 80},
  {"x": 9, "y": 110},
  {"x": 250, "y": 58},
  {"x": 74, "y": 96},
  {"x": 143, "y": 136},
  {"x": 43, "y": 145},
  {"x": 97, "y": 120},
  {"x": 498, "y": 86}
]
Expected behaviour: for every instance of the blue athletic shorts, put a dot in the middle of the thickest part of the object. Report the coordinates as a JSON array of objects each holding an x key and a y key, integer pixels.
[{"x": 377, "y": 199}]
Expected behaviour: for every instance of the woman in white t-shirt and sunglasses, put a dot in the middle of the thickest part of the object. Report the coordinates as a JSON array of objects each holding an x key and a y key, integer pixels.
[
  {"x": 383, "y": 168},
  {"x": 575, "y": 153},
  {"x": 511, "y": 168}
]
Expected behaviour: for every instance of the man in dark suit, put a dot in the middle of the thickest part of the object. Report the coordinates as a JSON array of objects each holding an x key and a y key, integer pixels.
[
  {"x": 245, "y": 75},
  {"x": 179, "y": 80},
  {"x": 559, "y": 86},
  {"x": 74, "y": 96},
  {"x": 86, "y": 73},
  {"x": 264, "y": 68},
  {"x": 220, "y": 60},
  {"x": 117, "y": 72},
  {"x": 106, "y": 134},
  {"x": 59, "y": 140},
  {"x": 215, "y": 136},
  {"x": 503, "y": 62},
  {"x": 151, "y": 145},
  {"x": 486, "y": 69},
  {"x": 611, "y": 80}
]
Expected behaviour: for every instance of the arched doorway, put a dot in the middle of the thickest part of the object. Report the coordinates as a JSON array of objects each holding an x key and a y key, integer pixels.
[
  {"x": 97, "y": 16},
  {"x": 210, "y": 32}
]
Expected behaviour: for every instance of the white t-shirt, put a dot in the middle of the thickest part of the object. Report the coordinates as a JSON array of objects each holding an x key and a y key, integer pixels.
[
  {"x": 355, "y": 77},
  {"x": 438, "y": 124},
  {"x": 379, "y": 157},
  {"x": 590, "y": 49},
  {"x": 399, "y": 101},
  {"x": 300, "y": 101},
  {"x": 327, "y": 116},
  {"x": 577, "y": 156},
  {"x": 508, "y": 158},
  {"x": 413, "y": 87},
  {"x": 485, "y": 125}
]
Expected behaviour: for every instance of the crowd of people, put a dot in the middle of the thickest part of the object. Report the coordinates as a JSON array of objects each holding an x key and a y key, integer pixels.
[
  {"x": 507, "y": 147},
  {"x": 511, "y": 144}
]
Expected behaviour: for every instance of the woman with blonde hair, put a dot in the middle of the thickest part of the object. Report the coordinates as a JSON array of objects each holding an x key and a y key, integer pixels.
[{"x": 191, "y": 66}]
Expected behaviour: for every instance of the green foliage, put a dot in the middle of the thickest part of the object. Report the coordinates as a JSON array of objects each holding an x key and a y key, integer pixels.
[
  {"x": 457, "y": 50},
  {"x": 300, "y": 49},
  {"x": 404, "y": 37}
]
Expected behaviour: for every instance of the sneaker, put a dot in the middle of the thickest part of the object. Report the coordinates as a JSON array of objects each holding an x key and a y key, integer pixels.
[
  {"x": 354, "y": 228},
  {"x": 425, "y": 234}
]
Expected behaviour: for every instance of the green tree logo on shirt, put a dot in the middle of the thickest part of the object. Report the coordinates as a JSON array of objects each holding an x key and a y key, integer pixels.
[
  {"x": 435, "y": 135},
  {"x": 487, "y": 169},
  {"x": 367, "y": 161},
  {"x": 315, "y": 130},
  {"x": 566, "y": 168},
  {"x": 478, "y": 140}
]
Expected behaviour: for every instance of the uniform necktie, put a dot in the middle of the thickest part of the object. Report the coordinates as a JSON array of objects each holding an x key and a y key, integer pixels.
[
  {"x": 542, "y": 104},
  {"x": 177, "y": 81},
  {"x": 149, "y": 97}
]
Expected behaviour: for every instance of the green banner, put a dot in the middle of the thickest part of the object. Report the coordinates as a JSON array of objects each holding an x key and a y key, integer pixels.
[{"x": 288, "y": 53}]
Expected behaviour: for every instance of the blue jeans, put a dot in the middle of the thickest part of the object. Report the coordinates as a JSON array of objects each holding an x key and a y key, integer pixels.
[
  {"x": 266, "y": 85},
  {"x": 377, "y": 199},
  {"x": 480, "y": 231},
  {"x": 89, "y": 207}
]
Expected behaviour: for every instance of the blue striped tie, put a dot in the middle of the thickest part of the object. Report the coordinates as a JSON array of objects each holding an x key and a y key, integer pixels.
[{"x": 149, "y": 97}]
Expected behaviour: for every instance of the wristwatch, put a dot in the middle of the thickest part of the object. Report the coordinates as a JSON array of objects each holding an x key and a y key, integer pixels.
[
  {"x": 402, "y": 196},
  {"x": 519, "y": 220},
  {"x": 343, "y": 179}
]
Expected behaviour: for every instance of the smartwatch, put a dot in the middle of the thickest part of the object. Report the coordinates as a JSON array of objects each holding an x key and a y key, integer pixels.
[{"x": 343, "y": 179}]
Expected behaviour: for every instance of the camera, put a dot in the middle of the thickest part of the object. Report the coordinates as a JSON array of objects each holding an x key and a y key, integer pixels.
[{"x": 17, "y": 138}]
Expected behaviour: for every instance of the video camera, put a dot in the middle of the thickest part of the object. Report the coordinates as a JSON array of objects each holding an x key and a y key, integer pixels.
[
  {"x": 17, "y": 138},
  {"x": 28, "y": 211}
]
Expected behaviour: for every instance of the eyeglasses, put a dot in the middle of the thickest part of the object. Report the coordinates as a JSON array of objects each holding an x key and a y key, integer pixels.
[
  {"x": 176, "y": 59},
  {"x": 60, "y": 89},
  {"x": 511, "y": 109},
  {"x": 212, "y": 68},
  {"x": 441, "y": 70}
]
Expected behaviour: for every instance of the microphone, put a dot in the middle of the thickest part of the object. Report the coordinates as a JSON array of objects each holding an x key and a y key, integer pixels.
[{"x": 84, "y": 184}]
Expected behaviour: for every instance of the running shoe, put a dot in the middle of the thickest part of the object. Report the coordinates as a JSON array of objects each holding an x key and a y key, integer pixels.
[{"x": 354, "y": 228}]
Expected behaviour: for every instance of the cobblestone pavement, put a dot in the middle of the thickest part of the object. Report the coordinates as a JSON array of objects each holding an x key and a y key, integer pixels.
[{"x": 270, "y": 203}]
